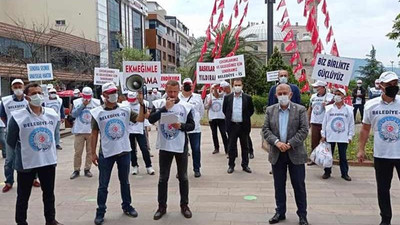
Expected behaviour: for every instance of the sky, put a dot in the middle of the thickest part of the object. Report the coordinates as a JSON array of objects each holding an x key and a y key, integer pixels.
[{"x": 357, "y": 24}]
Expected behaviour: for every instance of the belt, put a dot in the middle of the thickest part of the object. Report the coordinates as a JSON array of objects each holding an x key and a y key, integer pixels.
[{"x": 237, "y": 123}]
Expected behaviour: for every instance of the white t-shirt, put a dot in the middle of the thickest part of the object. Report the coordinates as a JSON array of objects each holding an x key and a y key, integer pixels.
[
  {"x": 338, "y": 124},
  {"x": 10, "y": 105},
  {"x": 54, "y": 104},
  {"x": 138, "y": 127},
  {"x": 82, "y": 124},
  {"x": 318, "y": 110},
  {"x": 384, "y": 119},
  {"x": 198, "y": 107}
]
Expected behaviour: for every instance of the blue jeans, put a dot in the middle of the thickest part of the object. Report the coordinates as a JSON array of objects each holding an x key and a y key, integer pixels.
[
  {"x": 3, "y": 141},
  {"x": 57, "y": 133},
  {"x": 344, "y": 167},
  {"x": 195, "y": 140},
  {"x": 105, "y": 168}
]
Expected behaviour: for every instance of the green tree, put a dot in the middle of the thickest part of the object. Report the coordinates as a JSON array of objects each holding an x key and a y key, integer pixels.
[
  {"x": 130, "y": 54},
  {"x": 371, "y": 71},
  {"x": 395, "y": 34}
]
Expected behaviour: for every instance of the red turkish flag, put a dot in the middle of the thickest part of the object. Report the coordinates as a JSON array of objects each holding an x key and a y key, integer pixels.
[
  {"x": 299, "y": 1},
  {"x": 204, "y": 92},
  {"x": 318, "y": 48},
  {"x": 303, "y": 76},
  {"x": 236, "y": 46},
  {"x": 313, "y": 11},
  {"x": 212, "y": 21},
  {"x": 221, "y": 4},
  {"x": 324, "y": 7},
  {"x": 308, "y": 2},
  {"x": 305, "y": 88},
  {"x": 282, "y": 3},
  {"x": 315, "y": 35},
  {"x": 216, "y": 42},
  {"x": 204, "y": 48},
  {"x": 230, "y": 54},
  {"x": 327, "y": 18},
  {"x": 310, "y": 23},
  {"x": 208, "y": 33},
  {"x": 228, "y": 28},
  {"x": 236, "y": 9},
  {"x": 306, "y": 8},
  {"x": 245, "y": 10},
  {"x": 220, "y": 19},
  {"x": 295, "y": 56},
  {"x": 214, "y": 11},
  {"x": 291, "y": 46},
  {"x": 285, "y": 14},
  {"x": 286, "y": 25},
  {"x": 238, "y": 33},
  {"x": 298, "y": 67},
  {"x": 334, "y": 50},
  {"x": 313, "y": 61},
  {"x": 330, "y": 34},
  {"x": 289, "y": 36}
]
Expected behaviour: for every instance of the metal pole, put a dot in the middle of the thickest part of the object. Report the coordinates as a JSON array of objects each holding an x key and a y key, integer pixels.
[
  {"x": 392, "y": 65},
  {"x": 270, "y": 27}
]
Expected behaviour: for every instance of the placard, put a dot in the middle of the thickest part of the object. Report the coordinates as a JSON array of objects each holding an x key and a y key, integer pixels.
[
  {"x": 40, "y": 71},
  {"x": 106, "y": 75},
  {"x": 332, "y": 69},
  {"x": 122, "y": 83},
  {"x": 205, "y": 73},
  {"x": 230, "y": 67},
  {"x": 149, "y": 70},
  {"x": 166, "y": 77},
  {"x": 272, "y": 76}
]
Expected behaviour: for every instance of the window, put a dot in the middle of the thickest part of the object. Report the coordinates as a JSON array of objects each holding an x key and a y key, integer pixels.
[
  {"x": 282, "y": 47},
  {"x": 60, "y": 22},
  {"x": 152, "y": 24},
  {"x": 163, "y": 42},
  {"x": 169, "y": 58},
  {"x": 173, "y": 59},
  {"x": 159, "y": 40},
  {"x": 164, "y": 56},
  {"x": 173, "y": 46},
  {"x": 169, "y": 45},
  {"x": 137, "y": 30},
  {"x": 305, "y": 60},
  {"x": 114, "y": 28}
]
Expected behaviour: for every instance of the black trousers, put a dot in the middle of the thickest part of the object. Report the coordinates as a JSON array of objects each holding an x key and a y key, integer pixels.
[
  {"x": 214, "y": 125},
  {"x": 47, "y": 176},
  {"x": 165, "y": 162},
  {"x": 251, "y": 150},
  {"x": 297, "y": 177},
  {"x": 384, "y": 174},
  {"x": 141, "y": 140},
  {"x": 235, "y": 132},
  {"x": 358, "y": 107}
]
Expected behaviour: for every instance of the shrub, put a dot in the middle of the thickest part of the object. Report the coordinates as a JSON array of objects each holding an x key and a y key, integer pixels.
[
  {"x": 305, "y": 100},
  {"x": 260, "y": 103}
]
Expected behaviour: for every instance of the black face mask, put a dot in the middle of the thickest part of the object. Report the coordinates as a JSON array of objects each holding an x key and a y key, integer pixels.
[
  {"x": 391, "y": 91},
  {"x": 187, "y": 87}
]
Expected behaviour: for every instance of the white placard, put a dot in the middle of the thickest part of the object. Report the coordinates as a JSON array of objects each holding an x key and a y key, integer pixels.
[
  {"x": 122, "y": 83},
  {"x": 166, "y": 77},
  {"x": 40, "y": 71},
  {"x": 168, "y": 118},
  {"x": 272, "y": 76},
  {"x": 205, "y": 73},
  {"x": 149, "y": 70},
  {"x": 106, "y": 75},
  {"x": 230, "y": 67},
  {"x": 332, "y": 69}
]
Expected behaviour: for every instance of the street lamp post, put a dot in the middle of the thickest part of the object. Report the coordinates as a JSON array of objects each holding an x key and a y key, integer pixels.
[
  {"x": 270, "y": 27},
  {"x": 392, "y": 65}
]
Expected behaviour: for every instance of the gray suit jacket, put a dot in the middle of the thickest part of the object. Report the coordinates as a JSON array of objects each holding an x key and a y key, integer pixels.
[{"x": 296, "y": 134}]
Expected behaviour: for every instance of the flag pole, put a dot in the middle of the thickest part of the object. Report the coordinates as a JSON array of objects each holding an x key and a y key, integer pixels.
[{"x": 270, "y": 27}]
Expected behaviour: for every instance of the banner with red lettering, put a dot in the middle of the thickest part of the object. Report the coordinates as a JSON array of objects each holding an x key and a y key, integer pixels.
[
  {"x": 166, "y": 77},
  {"x": 150, "y": 71},
  {"x": 230, "y": 67},
  {"x": 205, "y": 73},
  {"x": 106, "y": 75}
]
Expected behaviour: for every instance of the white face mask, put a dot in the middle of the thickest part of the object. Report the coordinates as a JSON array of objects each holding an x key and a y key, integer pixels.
[
  {"x": 36, "y": 100},
  {"x": 237, "y": 89},
  {"x": 18, "y": 92},
  {"x": 283, "y": 80},
  {"x": 113, "y": 98},
  {"x": 337, "y": 98},
  {"x": 359, "y": 85},
  {"x": 53, "y": 95},
  {"x": 283, "y": 100}
]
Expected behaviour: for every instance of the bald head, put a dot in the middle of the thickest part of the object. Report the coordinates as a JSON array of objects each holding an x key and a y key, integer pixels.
[
  {"x": 283, "y": 87},
  {"x": 283, "y": 94}
]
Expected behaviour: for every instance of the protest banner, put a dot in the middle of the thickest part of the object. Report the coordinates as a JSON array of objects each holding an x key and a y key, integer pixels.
[
  {"x": 230, "y": 67},
  {"x": 105, "y": 75},
  {"x": 205, "y": 73},
  {"x": 166, "y": 77},
  {"x": 332, "y": 69},
  {"x": 150, "y": 71},
  {"x": 272, "y": 76},
  {"x": 40, "y": 71}
]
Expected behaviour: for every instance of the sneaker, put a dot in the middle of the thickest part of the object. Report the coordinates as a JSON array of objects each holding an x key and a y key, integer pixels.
[
  {"x": 131, "y": 212},
  {"x": 150, "y": 171},
  {"x": 36, "y": 183},
  {"x": 58, "y": 147},
  {"x": 186, "y": 211},
  {"x": 135, "y": 170},
  {"x": 74, "y": 175},
  {"x": 326, "y": 176},
  {"x": 88, "y": 173},
  {"x": 99, "y": 219}
]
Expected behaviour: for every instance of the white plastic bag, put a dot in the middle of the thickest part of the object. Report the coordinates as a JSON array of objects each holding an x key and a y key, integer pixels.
[{"x": 322, "y": 155}]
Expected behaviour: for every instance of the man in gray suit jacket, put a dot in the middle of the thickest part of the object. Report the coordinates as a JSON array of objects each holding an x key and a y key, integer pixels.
[{"x": 285, "y": 129}]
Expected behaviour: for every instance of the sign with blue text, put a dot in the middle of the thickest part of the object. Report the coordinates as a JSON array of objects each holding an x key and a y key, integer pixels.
[
  {"x": 332, "y": 69},
  {"x": 40, "y": 71}
]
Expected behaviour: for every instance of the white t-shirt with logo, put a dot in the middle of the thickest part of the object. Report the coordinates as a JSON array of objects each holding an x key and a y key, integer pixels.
[
  {"x": 215, "y": 110},
  {"x": 198, "y": 107},
  {"x": 338, "y": 124},
  {"x": 138, "y": 127},
  {"x": 55, "y": 104},
  {"x": 10, "y": 105},
  {"x": 82, "y": 124},
  {"x": 318, "y": 110},
  {"x": 384, "y": 119}
]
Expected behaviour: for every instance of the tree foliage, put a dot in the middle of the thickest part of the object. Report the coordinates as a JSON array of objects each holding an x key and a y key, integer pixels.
[
  {"x": 371, "y": 71},
  {"x": 130, "y": 54},
  {"x": 395, "y": 33}
]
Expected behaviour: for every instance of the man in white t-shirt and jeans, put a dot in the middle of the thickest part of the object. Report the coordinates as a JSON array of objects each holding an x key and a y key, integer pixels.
[{"x": 383, "y": 116}]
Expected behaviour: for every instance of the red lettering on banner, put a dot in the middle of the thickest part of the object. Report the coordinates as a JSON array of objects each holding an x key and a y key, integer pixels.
[{"x": 141, "y": 69}]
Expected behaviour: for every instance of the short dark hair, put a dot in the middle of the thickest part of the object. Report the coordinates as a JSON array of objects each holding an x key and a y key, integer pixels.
[
  {"x": 30, "y": 85},
  {"x": 172, "y": 83}
]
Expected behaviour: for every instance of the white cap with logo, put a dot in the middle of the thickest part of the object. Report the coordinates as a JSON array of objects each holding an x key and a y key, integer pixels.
[
  {"x": 132, "y": 94},
  {"x": 87, "y": 91},
  {"x": 187, "y": 80},
  {"x": 77, "y": 91},
  {"x": 52, "y": 90},
  {"x": 319, "y": 83},
  {"x": 108, "y": 87},
  {"x": 342, "y": 91},
  {"x": 386, "y": 77},
  {"x": 17, "y": 81},
  {"x": 224, "y": 84}
]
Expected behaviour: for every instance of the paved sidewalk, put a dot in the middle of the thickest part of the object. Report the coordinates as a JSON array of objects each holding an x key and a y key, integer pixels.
[{"x": 217, "y": 198}]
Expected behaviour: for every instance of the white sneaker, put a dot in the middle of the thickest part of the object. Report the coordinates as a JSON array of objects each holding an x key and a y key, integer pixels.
[
  {"x": 135, "y": 170},
  {"x": 150, "y": 171}
]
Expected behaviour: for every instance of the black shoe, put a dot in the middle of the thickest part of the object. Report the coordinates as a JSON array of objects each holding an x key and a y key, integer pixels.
[
  {"x": 99, "y": 219},
  {"x": 270, "y": 172},
  {"x": 346, "y": 177},
  {"x": 160, "y": 212},
  {"x": 303, "y": 221},
  {"x": 74, "y": 175},
  {"x": 58, "y": 147},
  {"x": 197, "y": 174},
  {"x": 384, "y": 223},
  {"x": 88, "y": 173},
  {"x": 251, "y": 156},
  {"x": 215, "y": 151},
  {"x": 54, "y": 222},
  {"x": 186, "y": 211},
  {"x": 131, "y": 212},
  {"x": 230, "y": 170},
  {"x": 247, "y": 169},
  {"x": 326, "y": 176},
  {"x": 277, "y": 218}
]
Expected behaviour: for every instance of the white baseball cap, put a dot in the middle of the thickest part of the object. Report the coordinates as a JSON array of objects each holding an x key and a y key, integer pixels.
[
  {"x": 77, "y": 91},
  {"x": 359, "y": 81},
  {"x": 52, "y": 90},
  {"x": 108, "y": 87},
  {"x": 132, "y": 94},
  {"x": 342, "y": 91},
  {"x": 187, "y": 80},
  {"x": 50, "y": 86},
  {"x": 319, "y": 83},
  {"x": 17, "y": 81},
  {"x": 87, "y": 91},
  {"x": 377, "y": 81},
  {"x": 386, "y": 77},
  {"x": 224, "y": 84}
]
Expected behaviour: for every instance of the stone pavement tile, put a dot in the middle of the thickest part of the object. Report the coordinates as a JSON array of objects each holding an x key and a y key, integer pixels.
[
  {"x": 359, "y": 220},
  {"x": 241, "y": 217}
]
